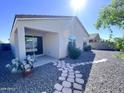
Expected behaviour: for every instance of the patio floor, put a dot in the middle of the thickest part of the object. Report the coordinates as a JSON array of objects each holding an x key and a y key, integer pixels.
[{"x": 42, "y": 60}]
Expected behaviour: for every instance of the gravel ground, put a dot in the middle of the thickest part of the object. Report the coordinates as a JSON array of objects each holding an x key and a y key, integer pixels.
[
  {"x": 106, "y": 77},
  {"x": 42, "y": 79}
]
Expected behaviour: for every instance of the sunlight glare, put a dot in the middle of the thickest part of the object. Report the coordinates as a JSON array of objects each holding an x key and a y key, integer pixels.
[{"x": 78, "y": 4}]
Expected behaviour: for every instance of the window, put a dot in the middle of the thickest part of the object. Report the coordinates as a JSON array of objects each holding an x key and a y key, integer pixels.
[
  {"x": 91, "y": 41},
  {"x": 72, "y": 40}
]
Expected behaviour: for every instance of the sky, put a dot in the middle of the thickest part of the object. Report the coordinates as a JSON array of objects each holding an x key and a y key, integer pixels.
[{"x": 87, "y": 15}]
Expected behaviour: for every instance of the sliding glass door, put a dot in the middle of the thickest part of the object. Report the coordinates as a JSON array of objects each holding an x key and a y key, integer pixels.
[{"x": 34, "y": 45}]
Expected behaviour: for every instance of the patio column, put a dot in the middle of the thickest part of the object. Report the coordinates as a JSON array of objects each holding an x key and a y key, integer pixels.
[{"x": 21, "y": 43}]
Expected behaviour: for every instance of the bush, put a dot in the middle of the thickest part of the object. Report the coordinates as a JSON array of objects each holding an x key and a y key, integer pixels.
[
  {"x": 73, "y": 52},
  {"x": 119, "y": 43},
  {"x": 87, "y": 48},
  {"x": 6, "y": 47}
]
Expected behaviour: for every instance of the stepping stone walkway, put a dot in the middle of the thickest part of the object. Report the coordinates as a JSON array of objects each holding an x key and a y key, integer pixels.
[
  {"x": 78, "y": 75},
  {"x": 80, "y": 81},
  {"x": 77, "y": 86},
  {"x": 58, "y": 87},
  {"x": 66, "y": 90},
  {"x": 71, "y": 81},
  {"x": 66, "y": 84}
]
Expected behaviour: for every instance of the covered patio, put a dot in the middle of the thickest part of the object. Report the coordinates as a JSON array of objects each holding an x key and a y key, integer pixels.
[{"x": 42, "y": 60}]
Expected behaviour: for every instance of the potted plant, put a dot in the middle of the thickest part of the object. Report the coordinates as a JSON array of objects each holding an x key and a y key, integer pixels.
[{"x": 25, "y": 67}]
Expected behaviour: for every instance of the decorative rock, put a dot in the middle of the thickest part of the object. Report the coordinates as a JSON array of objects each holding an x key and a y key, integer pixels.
[
  {"x": 77, "y": 86},
  {"x": 58, "y": 87},
  {"x": 78, "y": 75},
  {"x": 82, "y": 63},
  {"x": 70, "y": 79},
  {"x": 71, "y": 76},
  {"x": 77, "y": 91},
  {"x": 64, "y": 74},
  {"x": 78, "y": 80},
  {"x": 62, "y": 78},
  {"x": 66, "y": 84},
  {"x": 77, "y": 72},
  {"x": 60, "y": 69},
  {"x": 87, "y": 63},
  {"x": 63, "y": 61},
  {"x": 55, "y": 64},
  {"x": 67, "y": 90},
  {"x": 58, "y": 65},
  {"x": 72, "y": 65}
]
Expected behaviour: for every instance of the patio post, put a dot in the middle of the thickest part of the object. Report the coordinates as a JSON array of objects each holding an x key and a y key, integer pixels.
[{"x": 21, "y": 42}]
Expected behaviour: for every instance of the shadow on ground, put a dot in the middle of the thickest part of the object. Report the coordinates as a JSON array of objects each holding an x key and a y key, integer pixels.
[{"x": 86, "y": 69}]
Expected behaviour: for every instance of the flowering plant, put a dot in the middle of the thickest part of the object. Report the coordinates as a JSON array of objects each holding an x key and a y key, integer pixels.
[{"x": 25, "y": 66}]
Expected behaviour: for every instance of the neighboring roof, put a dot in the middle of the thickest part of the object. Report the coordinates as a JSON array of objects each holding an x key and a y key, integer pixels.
[
  {"x": 45, "y": 16},
  {"x": 93, "y": 36}
]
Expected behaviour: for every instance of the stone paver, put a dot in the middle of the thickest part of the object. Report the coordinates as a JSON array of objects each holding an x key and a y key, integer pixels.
[
  {"x": 71, "y": 76},
  {"x": 67, "y": 90},
  {"x": 71, "y": 73},
  {"x": 62, "y": 78},
  {"x": 77, "y": 91},
  {"x": 64, "y": 71},
  {"x": 43, "y": 92},
  {"x": 78, "y": 80},
  {"x": 64, "y": 74},
  {"x": 77, "y": 86},
  {"x": 66, "y": 84},
  {"x": 78, "y": 75},
  {"x": 71, "y": 70},
  {"x": 70, "y": 79},
  {"x": 58, "y": 87}
]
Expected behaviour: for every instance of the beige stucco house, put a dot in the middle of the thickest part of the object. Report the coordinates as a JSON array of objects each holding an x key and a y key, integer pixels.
[{"x": 45, "y": 35}]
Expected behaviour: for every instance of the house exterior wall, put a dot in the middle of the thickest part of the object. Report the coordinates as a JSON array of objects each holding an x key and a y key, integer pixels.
[
  {"x": 51, "y": 44},
  {"x": 79, "y": 32},
  {"x": 64, "y": 38},
  {"x": 56, "y": 33},
  {"x": 48, "y": 25}
]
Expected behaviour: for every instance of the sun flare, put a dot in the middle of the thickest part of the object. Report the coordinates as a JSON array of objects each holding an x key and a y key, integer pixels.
[{"x": 78, "y": 4}]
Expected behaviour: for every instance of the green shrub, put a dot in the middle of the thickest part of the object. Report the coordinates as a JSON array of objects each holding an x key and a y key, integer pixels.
[
  {"x": 73, "y": 52},
  {"x": 119, "y": 43},
  {"x": 87, "y": 48}
]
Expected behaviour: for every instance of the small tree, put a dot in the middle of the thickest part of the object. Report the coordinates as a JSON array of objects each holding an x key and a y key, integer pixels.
[
  {"x": 111, "y": 15},
  {"x": 119, "y": 43}
]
